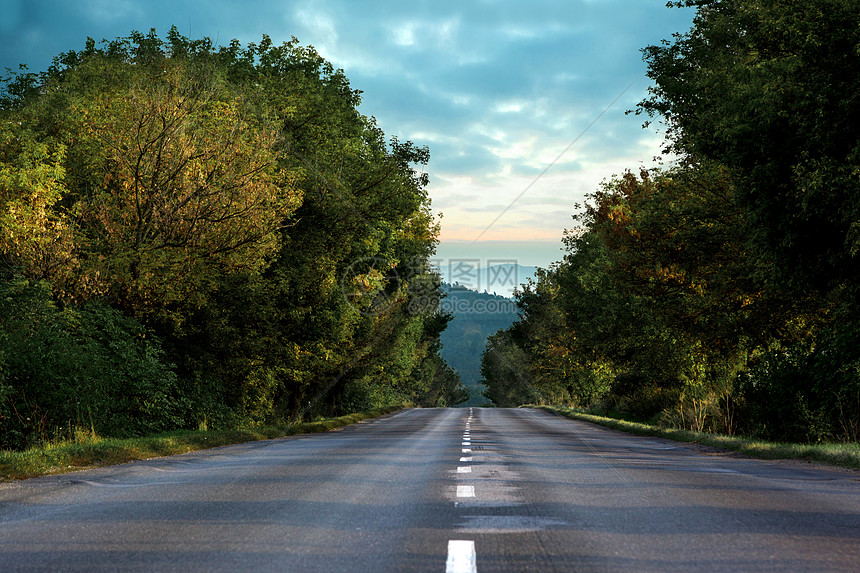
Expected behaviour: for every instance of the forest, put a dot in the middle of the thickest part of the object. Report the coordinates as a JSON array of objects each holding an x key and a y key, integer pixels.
[
  {"x": 195, "y": 237},
  {"x": 475, "y": 316},
  {"x": 720, "y": 291}
]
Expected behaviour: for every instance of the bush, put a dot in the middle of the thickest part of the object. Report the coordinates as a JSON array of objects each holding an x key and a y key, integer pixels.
[
  {"x": 636, "y": 397},
  {"x": 77, "y": 367},
  {"x": 806, "y": 392}
]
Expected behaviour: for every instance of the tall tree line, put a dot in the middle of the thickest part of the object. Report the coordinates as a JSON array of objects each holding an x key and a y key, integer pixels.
[
  {"x": 720, "y": 293},
  {"x": 198, "y": 235}
]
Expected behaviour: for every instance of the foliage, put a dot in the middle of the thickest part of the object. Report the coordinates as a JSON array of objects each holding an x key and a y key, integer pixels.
[
  {"x": 476, "y": 316},
  {"x": 769, "y": 88},
  {"x": 87, "y": 367},
  {"x": 536, "y": 359},
  {"x": 504, "y": 372},
  {"x": 657, "y": 309},
  {"x": 806, "y": 391},
  {"x": 235, "y": 203},
  {"x": 721, "y": 294}
]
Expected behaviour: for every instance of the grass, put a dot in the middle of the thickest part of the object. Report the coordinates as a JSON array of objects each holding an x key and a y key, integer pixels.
[
  {"x": 842, "y": 455},
  {"x": 92, "y": 451}
]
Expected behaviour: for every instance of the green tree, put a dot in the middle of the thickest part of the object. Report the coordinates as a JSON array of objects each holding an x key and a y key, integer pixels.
[
  {"x": 236, "y": 202},
  {"x": 769, "y": 88},
  {"x": 504, "y": 368}
]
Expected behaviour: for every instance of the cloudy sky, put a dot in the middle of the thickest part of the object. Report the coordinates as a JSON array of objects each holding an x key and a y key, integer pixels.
[{"x": 498, "y": 89}]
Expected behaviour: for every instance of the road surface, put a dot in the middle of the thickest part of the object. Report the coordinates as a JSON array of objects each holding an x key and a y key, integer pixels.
[{"x": 439, "y": 490}]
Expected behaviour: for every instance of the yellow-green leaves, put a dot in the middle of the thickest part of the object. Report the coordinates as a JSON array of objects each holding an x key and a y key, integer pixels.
[{"x": 34, "y": 236}]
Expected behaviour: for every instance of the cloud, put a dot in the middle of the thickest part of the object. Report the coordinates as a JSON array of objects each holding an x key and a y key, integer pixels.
[{"x": 497, "y": 89}]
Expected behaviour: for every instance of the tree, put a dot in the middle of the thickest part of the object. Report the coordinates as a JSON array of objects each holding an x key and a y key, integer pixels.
[
  {"x": 504, "y": 368},
  {"x": 235, "y": 202},
  {"x": 33, "y": 235},
  {"x": 769, "y": 88}
]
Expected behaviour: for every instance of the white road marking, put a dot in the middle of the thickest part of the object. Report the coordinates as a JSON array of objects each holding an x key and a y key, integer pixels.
[
  {"x": 464, "y": 470},
  {"x": 466, "y": 451},
  {"x": 461, "y": 557},
  {"x": 466, "y": 459},
  {"x": 465, "y": 491},
  {"x": 467, "y": 443}
]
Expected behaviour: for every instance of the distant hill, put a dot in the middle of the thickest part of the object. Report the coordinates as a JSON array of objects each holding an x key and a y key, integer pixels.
[
  {"x": 476, "y": 316},
  {"x": 494, "y": 277}
]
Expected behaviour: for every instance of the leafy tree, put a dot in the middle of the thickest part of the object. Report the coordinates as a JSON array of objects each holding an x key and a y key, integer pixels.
[
  {"x": 33, "y": 235},
  {"x": 236, "y": 202},
  {"x": 505, "y": 372},
  {"x": 169, "y": 177},
  {"x": 769, "y": 88},
  {"x": 720, "y": 293}
]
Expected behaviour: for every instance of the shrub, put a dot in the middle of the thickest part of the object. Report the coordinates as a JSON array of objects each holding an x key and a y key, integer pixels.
[{"x": 73, "y": 367}]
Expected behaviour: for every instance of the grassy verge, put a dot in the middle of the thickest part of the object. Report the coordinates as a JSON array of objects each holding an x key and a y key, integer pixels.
[
  {"x": 95, "y": 452},
  {"x": 844, "y": 455}
]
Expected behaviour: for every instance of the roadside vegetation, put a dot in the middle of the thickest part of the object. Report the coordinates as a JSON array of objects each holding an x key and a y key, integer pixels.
[
  {"x": 87, "y": 450},
  {"x": 845, "y": 455},
  {"x": 720, "y": 293},
  {"x": 194, "y": 235}
]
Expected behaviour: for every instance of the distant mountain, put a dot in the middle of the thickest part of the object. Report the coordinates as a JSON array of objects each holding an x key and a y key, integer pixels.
[
  {"x": 476, "y": 316},
  {"x": 494, "y": 277}
]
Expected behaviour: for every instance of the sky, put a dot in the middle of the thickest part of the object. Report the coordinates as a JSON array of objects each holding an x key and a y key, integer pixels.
[{"x": 522, "y": 103}]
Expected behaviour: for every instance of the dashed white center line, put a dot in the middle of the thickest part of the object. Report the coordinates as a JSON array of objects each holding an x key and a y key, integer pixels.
[
  {"x": 465, "y": 491},
  {"x": 461, "y": 552},
  {"x": 461, "y": 557}
]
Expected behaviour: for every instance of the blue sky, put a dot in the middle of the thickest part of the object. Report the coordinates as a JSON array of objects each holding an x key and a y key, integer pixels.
[{"x": 496, "y": 89}]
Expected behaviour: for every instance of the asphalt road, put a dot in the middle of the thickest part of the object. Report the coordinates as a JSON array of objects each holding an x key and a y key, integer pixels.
[{"x": 439, "y": 490}]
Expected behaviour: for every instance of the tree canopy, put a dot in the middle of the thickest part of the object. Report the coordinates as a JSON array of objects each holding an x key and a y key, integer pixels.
[
  {"x": 234, "y": 204},
  {"x": 721, "y": 292}
]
